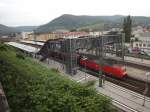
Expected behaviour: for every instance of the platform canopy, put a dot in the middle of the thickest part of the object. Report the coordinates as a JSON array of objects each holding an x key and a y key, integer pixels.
[
  {"x": 23, "y": 47},
  {"x": 33, "y": 42}
]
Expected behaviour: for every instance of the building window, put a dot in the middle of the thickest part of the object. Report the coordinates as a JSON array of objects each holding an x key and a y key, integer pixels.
[
  {"x": 144, "y": 45},
  {"x": 140, "y": 45},
  {"x": 148, "y": 45},
  {"x": 136, "y": 45}
]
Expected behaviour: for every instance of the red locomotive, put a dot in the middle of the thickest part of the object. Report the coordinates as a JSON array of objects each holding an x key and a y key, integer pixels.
[{"x": 114, "y": 70}]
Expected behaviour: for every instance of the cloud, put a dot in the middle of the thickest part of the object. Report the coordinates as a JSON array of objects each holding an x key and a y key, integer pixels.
[{"x": 36, "y": 12}]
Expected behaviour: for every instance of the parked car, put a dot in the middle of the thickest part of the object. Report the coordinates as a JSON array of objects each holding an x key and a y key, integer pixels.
[
  {"x": 147, "y": 53},
  {"x": 142, "y": 52},
  {"x": 134, "y": 50},
  {"x": 129, "y": 50}
]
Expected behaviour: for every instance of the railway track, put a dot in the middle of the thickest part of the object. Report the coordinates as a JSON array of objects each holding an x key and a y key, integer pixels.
[
  {"x": 129, "y": 63},
  {"x": 129, "y": 83}
]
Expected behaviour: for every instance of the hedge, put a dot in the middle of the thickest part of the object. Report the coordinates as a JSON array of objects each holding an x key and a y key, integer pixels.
[{"x": 32, "y": 87}]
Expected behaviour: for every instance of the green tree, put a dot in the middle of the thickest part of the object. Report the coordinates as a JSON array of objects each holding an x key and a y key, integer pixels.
[
  {"x": 73, "y": 30},
  {"x": 127, "y": 28}
]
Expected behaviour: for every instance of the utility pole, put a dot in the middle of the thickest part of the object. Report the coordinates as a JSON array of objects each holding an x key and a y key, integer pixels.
[
  {"x": 34, "y": 34},
  {"x": 71, "y": 56},
  {"x": 100, "y": 61},
  {"x": 146, "y": 87},
  {"x": 123, "y": 46}
]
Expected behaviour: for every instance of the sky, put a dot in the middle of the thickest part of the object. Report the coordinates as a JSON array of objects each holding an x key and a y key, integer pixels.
[{"x": 38, "y": 12}]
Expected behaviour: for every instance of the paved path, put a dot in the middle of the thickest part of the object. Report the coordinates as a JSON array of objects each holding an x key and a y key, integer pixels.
[{"x": 138, "y": 73}]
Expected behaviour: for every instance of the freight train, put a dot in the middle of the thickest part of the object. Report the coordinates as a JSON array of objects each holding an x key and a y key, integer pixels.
[{"x": 111, "y": 70}]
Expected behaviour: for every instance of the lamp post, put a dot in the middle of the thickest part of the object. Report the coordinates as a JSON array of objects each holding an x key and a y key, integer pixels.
[
  {"x": 100, "y": 61},
  {"x": 85, "y": 59},
  {"x": 146, "y": 87}
]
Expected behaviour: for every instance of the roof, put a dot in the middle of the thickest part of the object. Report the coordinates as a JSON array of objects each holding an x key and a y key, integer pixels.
[
  {"x": 33, "y": 42},
  {"x": 23, "y": 47},
  {"x": 145, "y": 34},
  {"x": 71, "y": 37}
]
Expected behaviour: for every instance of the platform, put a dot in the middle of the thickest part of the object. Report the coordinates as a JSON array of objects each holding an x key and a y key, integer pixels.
[
  {"x": 23, "y": 47},
  {"x": 32, "y": 42},
  {"x": 138, "y": 73},
  {"x": 138, "y": 60}
]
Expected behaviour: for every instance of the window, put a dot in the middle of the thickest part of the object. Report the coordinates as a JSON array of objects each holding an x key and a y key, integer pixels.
[
  {"x": 140, "y": 45},
  {"x": 136, "y": 45},
  {"x": 144, "y": 45}
]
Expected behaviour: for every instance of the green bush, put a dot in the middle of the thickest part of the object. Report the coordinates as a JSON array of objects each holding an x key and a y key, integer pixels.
[
  {"x": 3, "y": 47},
  {"x": 90, "y": 83},
  {"x": 20, "y": 55},
  {"x": 55, "y": 70},
  {"x": 32, "y": 87}
]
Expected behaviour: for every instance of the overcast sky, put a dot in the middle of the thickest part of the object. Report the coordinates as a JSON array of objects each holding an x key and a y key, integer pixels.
[{"x": 37, "y": 12}]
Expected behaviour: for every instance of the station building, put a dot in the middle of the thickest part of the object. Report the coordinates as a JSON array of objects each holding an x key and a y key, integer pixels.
[
  {"x": 54, "y": 35},
  {"x": 142, "y": 45},
  {"x": 143, "y": 40}
]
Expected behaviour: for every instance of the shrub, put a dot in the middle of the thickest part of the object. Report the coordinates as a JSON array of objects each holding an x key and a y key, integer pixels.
[
  {"x": 32, "y": 87},
  {"x": 55, "y": 70},
  {"x": 90, "y": 83},
  {"x": 20, "y": 55},
  {"x": 3, "y": 47}
]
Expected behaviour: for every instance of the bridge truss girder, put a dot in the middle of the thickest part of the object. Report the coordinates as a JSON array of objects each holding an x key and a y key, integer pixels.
[{"x": 70, "y": 47}]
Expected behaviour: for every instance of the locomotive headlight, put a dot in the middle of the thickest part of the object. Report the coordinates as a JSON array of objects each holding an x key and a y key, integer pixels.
[
  {"x": 125, "y": 73},
  {"x": 124, "y": 68}
]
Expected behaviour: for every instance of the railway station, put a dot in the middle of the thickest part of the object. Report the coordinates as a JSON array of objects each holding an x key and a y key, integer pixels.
[
  {"x": 74, "y": 56},
  {"x": 88, "y": 58},
  {"x": 132, "y": 65}
]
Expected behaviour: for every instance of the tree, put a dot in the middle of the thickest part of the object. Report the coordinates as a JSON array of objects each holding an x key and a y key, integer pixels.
[
  {"x": 85, "y": 30},
  {"x": 127, "y": 28},
  {"x": 136, "y": 39},
  {"x": 73, "y": 30}
]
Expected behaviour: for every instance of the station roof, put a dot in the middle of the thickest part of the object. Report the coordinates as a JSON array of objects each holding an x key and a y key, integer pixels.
[
  {"x": 23, "y": 47},
  {"x": 33, "y": 42}
]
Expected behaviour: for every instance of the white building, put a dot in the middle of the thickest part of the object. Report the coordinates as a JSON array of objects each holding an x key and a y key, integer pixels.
[
  {"x": 143, "y": 40},
  {"x": 98, "y": 33},
  {"x": 142, "y": 45},
  {"x": 144, "y": 36},
  {"x": 24, "y": 35}
]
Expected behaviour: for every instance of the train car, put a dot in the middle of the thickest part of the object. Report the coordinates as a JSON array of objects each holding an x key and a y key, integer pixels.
[
  {"x": 114, "y": 70},
  {"x": 89, "y": 64}
]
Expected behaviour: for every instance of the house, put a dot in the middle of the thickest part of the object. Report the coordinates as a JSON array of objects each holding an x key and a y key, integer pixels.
[
  {"x": 142, "y": 45},
  {"x": 143, "y": 36},
  {"x": 54, "y": 35},
  {"x": 141, "y": 40}
]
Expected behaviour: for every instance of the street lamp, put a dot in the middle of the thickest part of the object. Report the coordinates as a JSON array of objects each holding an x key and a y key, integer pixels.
[
  {"x": 146, "y": 86},
  {"x": 85, "y": 59}
]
